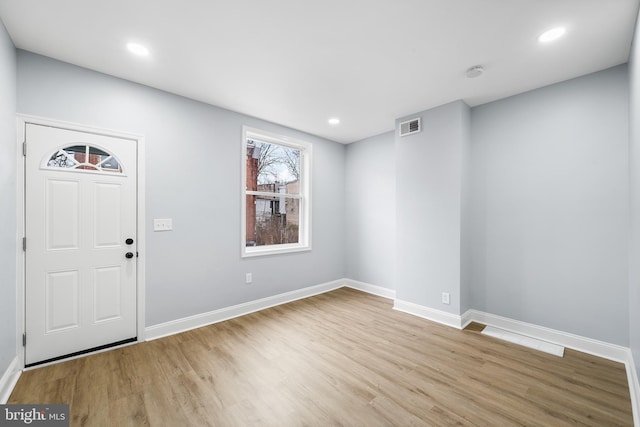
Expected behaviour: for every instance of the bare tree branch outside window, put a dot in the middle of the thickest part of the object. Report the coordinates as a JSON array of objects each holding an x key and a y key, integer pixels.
[
  {"x": 291, "y": 159},
  {"x": 276, "y": 163}
]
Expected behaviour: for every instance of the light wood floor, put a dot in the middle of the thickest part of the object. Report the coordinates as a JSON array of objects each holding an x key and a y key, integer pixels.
[{"x": 341, "y": 358}]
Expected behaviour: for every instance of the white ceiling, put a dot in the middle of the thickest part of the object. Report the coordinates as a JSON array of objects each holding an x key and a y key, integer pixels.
[{"x": 299, "y": 62}]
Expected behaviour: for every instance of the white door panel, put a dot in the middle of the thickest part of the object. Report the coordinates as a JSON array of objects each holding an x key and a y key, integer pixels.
[
  {"x": 107, "y": 221},
  {"x": 80, "y": 209},
  {"x": 106, "y": 292},
  {"x": 61, "y": 210},
  {"x": 61, "y": 300}
]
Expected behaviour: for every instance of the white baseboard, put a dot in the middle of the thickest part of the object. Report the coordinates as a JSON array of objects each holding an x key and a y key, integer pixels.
[
  {"x": 9, "y": 379},
  {"x": 634, "y": 388},
  {"x": 215, "y": 316},
  {"x": 371, "y": 289},
  {"x": 434, "y": 315},
  {"x": 586, "y": 345}
]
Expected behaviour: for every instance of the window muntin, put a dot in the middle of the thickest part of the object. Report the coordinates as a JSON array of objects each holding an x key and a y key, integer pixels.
[
  {"x": 83, "y": 157},
  {"x": 276, "y": 200}
]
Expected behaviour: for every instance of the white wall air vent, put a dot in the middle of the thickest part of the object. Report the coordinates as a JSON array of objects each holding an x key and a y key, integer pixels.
[{"x": 410, "y": 127}]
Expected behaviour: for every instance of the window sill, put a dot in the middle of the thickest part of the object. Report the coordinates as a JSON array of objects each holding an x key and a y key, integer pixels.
[{"x": 253, "y": 251}]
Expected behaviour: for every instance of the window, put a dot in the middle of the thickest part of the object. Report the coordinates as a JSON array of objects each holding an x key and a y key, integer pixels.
[
  {"x": 83, "y": 157},
  {"x": 276, "y": 200}
]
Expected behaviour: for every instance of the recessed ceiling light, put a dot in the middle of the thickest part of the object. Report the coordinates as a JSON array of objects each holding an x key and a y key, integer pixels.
[
  {"x": 552, "y": 34},
  {"x": 334, "y": 121},
  {"x": 137, "y": 49}
]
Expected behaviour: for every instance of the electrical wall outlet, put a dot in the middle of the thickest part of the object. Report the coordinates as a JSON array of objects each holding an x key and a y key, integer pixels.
[
  {"x": 249, "y": 278},
  {"x": 445, "y": 298}
]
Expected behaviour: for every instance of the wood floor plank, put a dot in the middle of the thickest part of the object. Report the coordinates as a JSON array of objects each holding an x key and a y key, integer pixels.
[{"x": 343, "y": 358}]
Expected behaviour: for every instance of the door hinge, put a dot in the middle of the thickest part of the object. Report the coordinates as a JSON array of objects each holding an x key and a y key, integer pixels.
[
  {"x": 24, "y": 149},
  {"x": 24, "y": 339},
  {"x": 24, "y": 244}
]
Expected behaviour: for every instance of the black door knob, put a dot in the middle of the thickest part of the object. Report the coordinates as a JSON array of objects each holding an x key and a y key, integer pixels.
[
  {"x": 129, "y": 241},
  {"x": 129, "y": 255}
]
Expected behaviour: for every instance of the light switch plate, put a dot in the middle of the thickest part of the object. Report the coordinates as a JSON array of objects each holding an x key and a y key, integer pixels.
[{"x": 164, "y": 224}]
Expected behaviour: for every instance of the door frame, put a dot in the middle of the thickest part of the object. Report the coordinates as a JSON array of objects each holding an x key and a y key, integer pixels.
[{"x": 21, "y": 121}]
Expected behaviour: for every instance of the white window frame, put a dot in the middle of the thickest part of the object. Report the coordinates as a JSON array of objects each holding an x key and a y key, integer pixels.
[{"x": 304, "y": 230}]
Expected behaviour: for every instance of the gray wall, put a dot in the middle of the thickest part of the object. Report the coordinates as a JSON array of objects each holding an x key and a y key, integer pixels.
[
  {"x": 193, "y": 160},
  {"x": 517, "y": 208},
  {"x": 634, "y": 169},
  {"x": 8, "y": 236},
  {"x": 549, "y": 185},
  {"x": 429, "y": 188},
  {"x": 371, "y": 214}
]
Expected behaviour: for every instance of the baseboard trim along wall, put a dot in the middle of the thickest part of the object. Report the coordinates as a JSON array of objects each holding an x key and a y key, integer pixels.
[
  {"x": 9, "y": 379},
  {"x": 634, "y": 388},
  {"x": 586, "y": 345},
  {"x": 371, "y": 289},
  {"x": 226, "y": 313},
  {"x": 428, "y": 313}
]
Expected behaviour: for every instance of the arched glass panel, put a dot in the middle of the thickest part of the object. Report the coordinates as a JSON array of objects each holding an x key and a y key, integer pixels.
[{"x": 84, "y": 157}]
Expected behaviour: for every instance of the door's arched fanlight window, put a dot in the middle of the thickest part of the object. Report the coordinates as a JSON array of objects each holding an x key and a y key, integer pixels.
[{"x": 84, "y": 157}]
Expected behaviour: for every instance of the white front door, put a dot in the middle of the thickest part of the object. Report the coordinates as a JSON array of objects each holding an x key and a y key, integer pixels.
[{"x": 81, "y": 260}]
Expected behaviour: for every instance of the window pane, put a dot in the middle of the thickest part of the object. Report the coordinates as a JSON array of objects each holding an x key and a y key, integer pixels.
[
  {"x": 109, "y": 163},
  {"x": 79, "y": 153},
  {"x": 62, "y": 159},
  {"x": 272, "y": 167},
  {"x": 272, "y": 220},
  {"x": 85, "y": 158}
]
